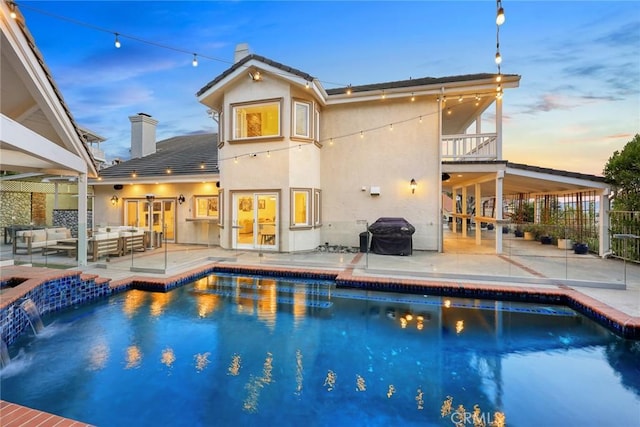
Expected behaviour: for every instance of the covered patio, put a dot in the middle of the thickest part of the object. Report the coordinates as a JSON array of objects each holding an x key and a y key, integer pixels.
[
  {"x": 38, "y": 135},
  {"x": 566, "y": 204}
]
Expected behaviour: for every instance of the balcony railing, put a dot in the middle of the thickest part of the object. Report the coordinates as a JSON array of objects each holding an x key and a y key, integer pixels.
[
  {"x": 480, "y": 146},
  {"x": 98, "y": 154}
]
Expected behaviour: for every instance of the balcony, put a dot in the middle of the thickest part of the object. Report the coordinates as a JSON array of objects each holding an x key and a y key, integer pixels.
[
  {"x": 465, "y": 147},
  {"x": 98, "y": 154}
]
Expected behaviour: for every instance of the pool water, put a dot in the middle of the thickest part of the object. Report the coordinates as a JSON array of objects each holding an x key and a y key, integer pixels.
[{"x": 246, "y": 351}]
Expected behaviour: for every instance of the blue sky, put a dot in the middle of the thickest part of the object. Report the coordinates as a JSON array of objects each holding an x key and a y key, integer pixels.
[{"x": 578, "y": 100}]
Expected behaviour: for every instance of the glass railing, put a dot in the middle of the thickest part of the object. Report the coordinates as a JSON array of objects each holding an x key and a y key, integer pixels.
[{"x": 525, "y": 253}]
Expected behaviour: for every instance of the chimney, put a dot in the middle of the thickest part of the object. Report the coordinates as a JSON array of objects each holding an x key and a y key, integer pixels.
[
  {"x": 143, "y": 135},
  {"x": 242, "y": 50}
]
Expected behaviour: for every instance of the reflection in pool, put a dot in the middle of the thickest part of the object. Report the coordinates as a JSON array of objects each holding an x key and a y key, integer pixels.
[{"x": 229, "y": 350}]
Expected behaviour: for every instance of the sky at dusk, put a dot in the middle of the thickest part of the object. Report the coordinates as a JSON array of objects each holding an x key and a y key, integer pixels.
[{"x": 578, "y": 100}]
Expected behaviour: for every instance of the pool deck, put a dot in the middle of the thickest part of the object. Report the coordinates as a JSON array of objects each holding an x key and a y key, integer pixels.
[{"x": 606, "y": 286}]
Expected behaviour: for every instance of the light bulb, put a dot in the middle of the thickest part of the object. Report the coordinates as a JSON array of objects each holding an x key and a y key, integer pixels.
[
  {"x": 500, "y": 16},
  {"x": 498, "y": 58},
  {"x": 117, "y": 42},
  {"x": 499, "y": 78},
  {"x": 195, "y": 60}
]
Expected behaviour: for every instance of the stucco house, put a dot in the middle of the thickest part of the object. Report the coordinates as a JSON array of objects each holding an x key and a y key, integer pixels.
[
  {"x": 297, "y": 166},
  {"x": 39, "y": 139}
]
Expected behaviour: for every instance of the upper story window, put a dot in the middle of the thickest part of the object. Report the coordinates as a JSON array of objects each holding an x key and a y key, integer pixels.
[
  {"x": 256, "y": 120},
  {"x": 302, "y": 119}
]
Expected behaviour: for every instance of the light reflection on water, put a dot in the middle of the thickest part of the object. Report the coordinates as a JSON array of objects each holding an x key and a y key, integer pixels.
[{"x": 257, "y": 351}]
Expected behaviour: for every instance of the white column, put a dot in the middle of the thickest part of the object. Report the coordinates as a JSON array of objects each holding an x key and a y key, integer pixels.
[
  {"x": 605, "y": 237},
  {"x": 454, "y": 195},
  {"x": 478, "y": 197},
  {"x": 82, "y": 219},
  {"x": 464, "y": 211},
  {"x": 55, "y": 195},
  {"x": 440, "y": 208},
  {"x": 499, "y": 128},
  {"x": 499, "y": 178}
]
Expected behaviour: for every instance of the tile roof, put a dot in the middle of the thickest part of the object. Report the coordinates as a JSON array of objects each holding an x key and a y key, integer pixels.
[
  {"x": 183, "y": 154},
  {"x": 242, "y": 63},
  {"x": 423, "y": 81}
]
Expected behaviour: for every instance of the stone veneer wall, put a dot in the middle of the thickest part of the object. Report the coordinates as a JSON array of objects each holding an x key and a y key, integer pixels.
[
  {"x": 50, "y": 296},
  {"x": 69, "y": 218},
  {"x": 15, "y": 208}
]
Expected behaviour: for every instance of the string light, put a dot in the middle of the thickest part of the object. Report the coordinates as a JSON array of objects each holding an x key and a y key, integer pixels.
[
  {"x": 498, "y": 58},
  {"x": 134, "y": 174},
  {"x": 201, "y": 165},
  {"x": 383, "y": 95},
  {"x": 349, "y": 90},
  {"x": 117, "y": 42},
  {"x": 361, "y": 134},
  {"x": 195, "y": 60},
  {"x": 460, "y": 98},
  {"x": 391, "y": 126},
  {"x": 12, "y": 13},
  {"x": 306, "y": 85},
  {"x": 168, "y": 169},
  {"x": 500, "y": 15},
  {"x": 413, "y": 98}
]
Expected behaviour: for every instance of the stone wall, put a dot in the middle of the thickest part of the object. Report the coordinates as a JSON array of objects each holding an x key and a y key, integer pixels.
[
  {"x": 15, "y": 208},
  {"x": 69, "y": 218}
]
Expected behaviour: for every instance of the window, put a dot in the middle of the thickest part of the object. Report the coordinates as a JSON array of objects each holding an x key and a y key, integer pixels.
[
  {"x": 302, "y": 119},
  {"x": 257, "y": 120},
  {"x": 300, "y": 207},
  {"x": 317, "y": 207},
  {"x": 206, "y": 206}
]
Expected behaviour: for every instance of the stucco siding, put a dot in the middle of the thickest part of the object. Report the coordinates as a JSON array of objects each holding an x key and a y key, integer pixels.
[{"x": 385, "y": 158}]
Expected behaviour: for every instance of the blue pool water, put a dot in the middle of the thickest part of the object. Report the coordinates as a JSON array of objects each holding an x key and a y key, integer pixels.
[{"x": 245, "y": 351}]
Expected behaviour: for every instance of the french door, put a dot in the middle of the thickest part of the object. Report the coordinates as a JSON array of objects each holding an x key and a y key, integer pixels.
[
  {"x": 255, "y": 221},
  {"x": 160, "y": 212}
]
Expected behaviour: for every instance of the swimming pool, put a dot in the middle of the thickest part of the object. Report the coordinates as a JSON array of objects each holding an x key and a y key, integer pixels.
[{"x": 229, "y": 350}]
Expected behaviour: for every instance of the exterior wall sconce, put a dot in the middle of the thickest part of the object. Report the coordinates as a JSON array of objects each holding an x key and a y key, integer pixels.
[
  {"x": 150, "y": 197},
  {"x": 181, "y": 199},
  {"x": 413, "y": 185},
  {"x": 114, "y": 200},
  {"x": 255, "y": 76}
]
